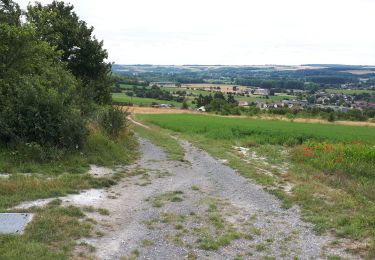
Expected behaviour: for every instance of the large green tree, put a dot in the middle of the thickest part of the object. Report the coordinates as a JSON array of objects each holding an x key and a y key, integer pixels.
[
  {"x": 10, "y": 12},
  {"x": 37, "y": 92},
  {"x": 85, "y": 56}
]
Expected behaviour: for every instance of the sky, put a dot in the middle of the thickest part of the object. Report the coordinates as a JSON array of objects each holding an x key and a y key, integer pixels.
[{"x": 232, "y": 32}]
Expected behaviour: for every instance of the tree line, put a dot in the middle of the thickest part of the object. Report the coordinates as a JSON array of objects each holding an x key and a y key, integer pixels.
[{"x": 154, "y": 92}]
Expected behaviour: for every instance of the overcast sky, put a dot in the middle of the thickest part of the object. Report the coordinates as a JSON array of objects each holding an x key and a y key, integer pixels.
[{"x": 242, "y": 32}]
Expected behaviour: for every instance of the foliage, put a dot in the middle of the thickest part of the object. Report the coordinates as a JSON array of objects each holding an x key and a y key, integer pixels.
[
  {"x": 125, "y": 100},
  {"x": 128, "y": 80},
  {"x": 113, "y": 120},
  {"x": 59, "y": 25},
  {"x": 218, "y": 103},
  {"x": 153, "y": 92},
  {"x": 184, "y": 105},
  {"x": 10, "y": 13},
  {"x": 221, "y": 106},
  {"x": 37, "y": 102},
  {"x": 331, "y": 117}
]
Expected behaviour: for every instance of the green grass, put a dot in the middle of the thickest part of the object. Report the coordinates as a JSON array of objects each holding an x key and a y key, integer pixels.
[
  {"x": 261, "y": 131},
  {"x": 54, "y": 230},
  {"x": 68, "y": 175},
  {"x": 214, "y": 243},
  {"x": 51, "y": 235},
  {"x": 159, "y": 200},
  {"x": 171, "y": 146},
  {"x": 98, "y": 149},
  {"x": 334, "y": 188},
  {"x": 122, "y": 97}
]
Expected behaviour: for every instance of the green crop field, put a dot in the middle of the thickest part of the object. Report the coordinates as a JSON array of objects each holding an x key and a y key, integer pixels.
[
  {"x": 122, "y": 97},
  {"x": 265, "y": 131}
]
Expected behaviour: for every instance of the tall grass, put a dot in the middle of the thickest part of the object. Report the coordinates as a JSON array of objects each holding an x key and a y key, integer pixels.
[
  {"x": 357, "y": 159},
  {"x": 32, "y": 179},
  {"x": 98, "y": 149}
]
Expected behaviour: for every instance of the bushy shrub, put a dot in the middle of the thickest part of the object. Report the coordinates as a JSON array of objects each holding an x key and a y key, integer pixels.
[
  {"x": 37, "y": 95},
  {"x": 113, "y": 120}
]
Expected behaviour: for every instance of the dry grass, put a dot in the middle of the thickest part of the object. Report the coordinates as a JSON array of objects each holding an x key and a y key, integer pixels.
[{"x": 153, "y": 110}]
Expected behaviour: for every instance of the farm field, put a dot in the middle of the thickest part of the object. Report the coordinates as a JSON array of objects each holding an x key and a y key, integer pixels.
[
  {"x": 330, "y": 168},
  {"x": 122, "y": 97},
  {"x": 153, "y": 110},
  {"x": 208, "y": 85},
  {"x": 254, "y": 98},
  {"x": 270, "y": 131},
  {"x": 188, "y": 90},
  {"x": 349, "y": 91}
]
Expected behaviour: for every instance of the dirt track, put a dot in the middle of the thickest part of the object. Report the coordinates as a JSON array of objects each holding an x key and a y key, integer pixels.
[{"x": 198, "y": 209}]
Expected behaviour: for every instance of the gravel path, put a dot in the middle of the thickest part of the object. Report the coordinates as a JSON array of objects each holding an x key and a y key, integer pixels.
[{"x": 198, "y": 209}]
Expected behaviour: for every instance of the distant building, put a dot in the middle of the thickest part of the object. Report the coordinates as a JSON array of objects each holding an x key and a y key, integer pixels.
[
  {"x": 261, "y": 105},
  {"x": 278, "y": 105},
  {"x": 243, "y": 104},
  {"x": 162, "y": 84},
  {"x": 360, "y": 104},
  {"x": 201, "y": 109},
  {"x": 262, "y": 92}
]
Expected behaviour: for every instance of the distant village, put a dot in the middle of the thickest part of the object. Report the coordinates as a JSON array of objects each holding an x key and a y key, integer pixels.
[{"x": 299, "y": 99}]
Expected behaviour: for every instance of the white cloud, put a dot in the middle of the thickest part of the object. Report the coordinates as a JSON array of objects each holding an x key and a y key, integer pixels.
[{"x": 233, "y": 31}]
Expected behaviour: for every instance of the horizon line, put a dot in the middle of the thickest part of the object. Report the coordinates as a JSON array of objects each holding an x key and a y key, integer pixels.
[{"x": 243, "y": 65}]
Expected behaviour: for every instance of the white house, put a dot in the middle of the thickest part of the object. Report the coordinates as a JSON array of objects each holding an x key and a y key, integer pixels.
[{"x": 201, "y": 109}]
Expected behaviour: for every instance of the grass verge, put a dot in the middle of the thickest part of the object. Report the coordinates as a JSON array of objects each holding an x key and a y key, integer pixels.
[
  {"x": 99, "y": 149},
  {"x": 171, "y": 146},
  {"x": 51, "y": 235},
  {"x": 54, "y": 179},
  {"x": 54, "y": 229}
]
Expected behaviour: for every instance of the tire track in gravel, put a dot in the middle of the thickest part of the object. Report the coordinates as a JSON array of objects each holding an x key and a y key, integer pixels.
[{"x": 199, "y": 209}]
